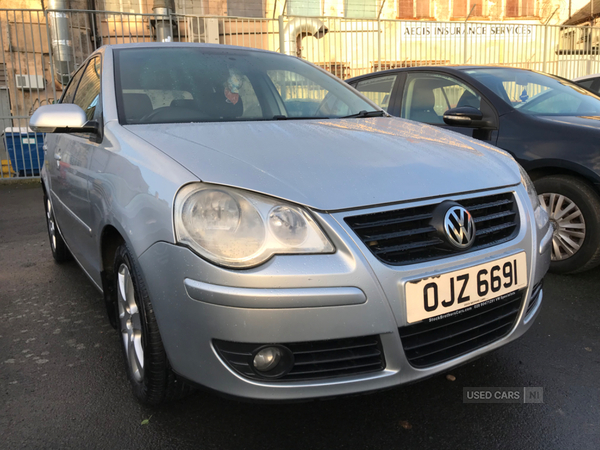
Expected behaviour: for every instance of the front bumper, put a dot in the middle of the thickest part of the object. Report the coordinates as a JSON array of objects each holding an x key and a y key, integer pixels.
[{"x": 305, "y": 298}]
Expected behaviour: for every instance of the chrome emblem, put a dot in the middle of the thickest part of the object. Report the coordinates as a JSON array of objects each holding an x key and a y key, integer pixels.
[{"x": 459, "y": 227}]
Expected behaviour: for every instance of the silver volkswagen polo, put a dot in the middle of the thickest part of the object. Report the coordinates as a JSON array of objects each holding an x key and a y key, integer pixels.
[{"x": 259, "y": 228}]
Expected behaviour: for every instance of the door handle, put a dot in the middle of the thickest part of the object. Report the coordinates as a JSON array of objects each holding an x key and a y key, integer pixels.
[{"x": 45, "y": 148}]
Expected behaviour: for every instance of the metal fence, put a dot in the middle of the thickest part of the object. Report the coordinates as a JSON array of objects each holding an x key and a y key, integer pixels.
[
  {"x": 354, "y": 47},
  {"x": 42, "y": 48}
]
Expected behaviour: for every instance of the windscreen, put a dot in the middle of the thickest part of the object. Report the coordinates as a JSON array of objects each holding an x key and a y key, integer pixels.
[
  {"x": 201, "y": 84},
  {"x": 537, "y": 94}
]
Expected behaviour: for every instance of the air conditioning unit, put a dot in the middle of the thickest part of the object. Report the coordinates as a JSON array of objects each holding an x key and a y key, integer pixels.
[{"x": 29, "y": 81}]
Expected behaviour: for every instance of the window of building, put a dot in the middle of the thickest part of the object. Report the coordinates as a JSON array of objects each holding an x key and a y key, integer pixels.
[
  {"x": 462, "y": 8},
  {"x": 246, "y": 8},
  {"x": 360, "y": 9},
  {"x": 414, "y": 9},
  {"x": 304, "y": 8},
  {"x": 520, "y": 8}
]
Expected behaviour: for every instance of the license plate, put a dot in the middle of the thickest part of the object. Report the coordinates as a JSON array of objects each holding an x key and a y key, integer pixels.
[{"x": 452, "y": 291}]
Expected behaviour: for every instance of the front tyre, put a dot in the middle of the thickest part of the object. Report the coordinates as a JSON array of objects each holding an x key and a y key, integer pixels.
[
  {"x": 574, "y": 211},
  {"x": 148, "y": 368},
  {"x": 60, "y": 252}
]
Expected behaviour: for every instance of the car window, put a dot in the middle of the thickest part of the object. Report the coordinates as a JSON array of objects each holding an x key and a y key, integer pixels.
[
  {"x": 378, "y": 89},
  {"x": 251, "y": 105},
  {"x": 69, "y": 92},
  {"x": 304, "y": 97},
  {"x": 178, "y": 85},
  {"x": 87, "y": 95},
  {"x": 518, "y": 94},
  {"x": 427, "y": 97},
  {"x": 538, "y": 94},
  {"x": 554, "y": 103}
]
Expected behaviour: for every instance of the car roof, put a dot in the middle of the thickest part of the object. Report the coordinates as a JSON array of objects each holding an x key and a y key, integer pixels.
[
  {"x": 457, "y": 68},
  {"x": 181, "y": 44}
]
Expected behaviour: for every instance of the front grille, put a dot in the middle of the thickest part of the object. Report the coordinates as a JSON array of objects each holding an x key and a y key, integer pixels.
[
  {"x": 535, "y": 293},
  {"x": 406, "y": 236},
  {"x": 312, "y": 360},
  {"x": 432, "y": 342}
]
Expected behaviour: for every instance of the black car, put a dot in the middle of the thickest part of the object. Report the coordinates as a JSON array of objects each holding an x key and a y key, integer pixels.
[{"x": 549, "y": 124}]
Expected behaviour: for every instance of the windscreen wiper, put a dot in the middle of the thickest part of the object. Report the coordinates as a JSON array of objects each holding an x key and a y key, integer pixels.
[
  {"x": 282, "y": 117},
  {"x": 364, "y": 113}
]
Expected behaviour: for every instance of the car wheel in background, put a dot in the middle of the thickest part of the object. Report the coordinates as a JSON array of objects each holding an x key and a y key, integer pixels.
[
  {"x": 574, "y": 211},
  {"x": 148, "y": 368},
  {"x": 60, "y": 252}
]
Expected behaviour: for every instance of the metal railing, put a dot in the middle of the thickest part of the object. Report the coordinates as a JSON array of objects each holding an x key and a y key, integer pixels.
[
  {"x": 354, "y": 47},
  {"x": 42, "y": 48}
]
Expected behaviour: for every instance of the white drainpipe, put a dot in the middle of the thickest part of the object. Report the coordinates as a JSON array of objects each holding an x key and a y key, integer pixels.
[{"x": 298, "y": 28}]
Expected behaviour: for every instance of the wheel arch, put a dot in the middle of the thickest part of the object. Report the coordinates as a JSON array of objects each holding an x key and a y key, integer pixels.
[
  {"x": 110, "y": 240},
  {"x": 543, "y": 168}
]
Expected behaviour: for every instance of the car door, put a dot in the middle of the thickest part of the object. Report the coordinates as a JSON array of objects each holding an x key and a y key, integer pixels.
[
  {"x": 381, "y": 90},
  {"x": 74, "y": 152},
  {"x": 426, "y": 96},
  {"x": 54, "y": 166}
]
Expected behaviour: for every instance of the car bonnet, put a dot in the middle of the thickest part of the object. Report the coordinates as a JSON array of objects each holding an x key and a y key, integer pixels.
[{"x": 334, "y": 164}]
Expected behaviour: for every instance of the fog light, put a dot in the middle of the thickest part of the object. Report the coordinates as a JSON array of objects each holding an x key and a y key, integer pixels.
[
  {"x": 267, "y": 358},
  {"x": 272, "y": 361}
]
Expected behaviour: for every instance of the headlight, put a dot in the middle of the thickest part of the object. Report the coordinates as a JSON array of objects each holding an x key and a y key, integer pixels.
[
  {"x": 528, "y": 184},
  {"x": 235, "y": 228},
  {"x": 541, "y": 216}
]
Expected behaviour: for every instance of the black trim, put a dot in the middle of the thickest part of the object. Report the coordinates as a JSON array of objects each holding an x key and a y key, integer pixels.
[
  {"x": 408, "y": 236},
  {"x": 117, "y": 80},
  {"x": 311, "y": 360},
  {"x": 535, "y": 293},
  {"x": 431, "y": 342}
]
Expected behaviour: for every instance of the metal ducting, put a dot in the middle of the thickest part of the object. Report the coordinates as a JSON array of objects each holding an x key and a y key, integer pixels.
[
  {"x": 298, "y": 28},
  {"x": 62, "y": 47},
  {"x": 164, "y": 33}
]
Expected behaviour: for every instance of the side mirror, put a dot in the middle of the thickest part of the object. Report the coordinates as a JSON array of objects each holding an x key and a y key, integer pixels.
[
  {"x": 466, "y": 116},
  {"x": 62, "y": 118}
]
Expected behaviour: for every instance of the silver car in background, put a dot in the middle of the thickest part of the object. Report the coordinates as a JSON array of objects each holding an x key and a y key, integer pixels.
[{"x": 259, "y": 228}]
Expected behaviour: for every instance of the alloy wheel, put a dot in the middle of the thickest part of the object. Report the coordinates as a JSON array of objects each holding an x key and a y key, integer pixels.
[
  {"x": 568, "y": 222},
  {"x": 131, "y": 323},
  {"x": 51, "y": 224}
]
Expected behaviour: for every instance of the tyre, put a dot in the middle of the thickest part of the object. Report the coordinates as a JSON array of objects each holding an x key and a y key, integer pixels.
[
  {"x": 148, "y": 368},
  {"x": 60, "y": 252},
  {"x": 574, "y": 211}
]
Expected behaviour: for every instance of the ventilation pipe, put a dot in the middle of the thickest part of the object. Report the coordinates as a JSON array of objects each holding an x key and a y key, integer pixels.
[
  {"x": 62, "y": 47},
  {"x": 164, "y": 33},
  {"x": 298, "y": 28}
]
